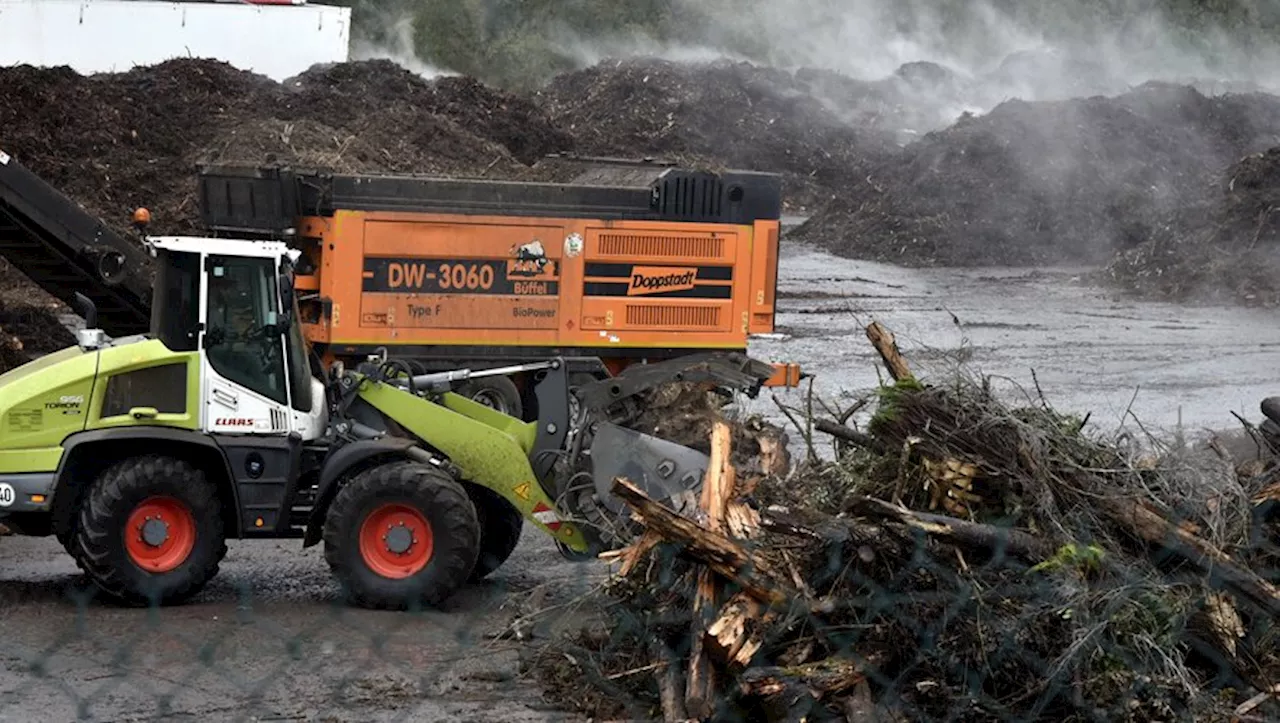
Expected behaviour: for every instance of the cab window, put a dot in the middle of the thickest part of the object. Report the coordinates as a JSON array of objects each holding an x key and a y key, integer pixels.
[{"x": 240, "y": 338}]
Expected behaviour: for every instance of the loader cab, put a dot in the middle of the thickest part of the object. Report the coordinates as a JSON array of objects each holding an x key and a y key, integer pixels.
[{"x": 233, "y": 302}]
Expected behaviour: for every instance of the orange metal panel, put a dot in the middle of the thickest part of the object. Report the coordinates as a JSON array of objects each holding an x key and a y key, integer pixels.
[
  {"x": 764, "y": 276},
  {"x": 401, "y": 278}
]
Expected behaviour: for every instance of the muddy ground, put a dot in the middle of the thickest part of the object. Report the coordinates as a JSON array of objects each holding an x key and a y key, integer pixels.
[
  {"x": 268, "y": 640},
  {"x": 1090, "y": 348}
]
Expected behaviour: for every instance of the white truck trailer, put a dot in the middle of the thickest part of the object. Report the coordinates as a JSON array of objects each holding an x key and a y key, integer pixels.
[{"x": 277, "y": 38}]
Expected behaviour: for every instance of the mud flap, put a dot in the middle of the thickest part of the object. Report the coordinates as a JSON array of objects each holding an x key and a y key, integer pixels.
[{"x": 669, "y": 473}]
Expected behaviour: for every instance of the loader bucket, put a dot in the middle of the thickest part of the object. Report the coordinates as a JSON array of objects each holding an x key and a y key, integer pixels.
[{"x": 668, "y": 473}]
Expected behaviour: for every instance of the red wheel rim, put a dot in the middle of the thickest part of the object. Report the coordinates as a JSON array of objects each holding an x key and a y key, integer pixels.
[
  {"x": 396, "y": 541},
  {"x": 160, "y": 534}
]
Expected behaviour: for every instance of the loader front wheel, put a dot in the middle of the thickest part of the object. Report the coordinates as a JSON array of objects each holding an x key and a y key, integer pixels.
[
  {"x": 401, "y": 535},
  {"x": 500, "y": 527},
  {"x": 150, "y": 531}
]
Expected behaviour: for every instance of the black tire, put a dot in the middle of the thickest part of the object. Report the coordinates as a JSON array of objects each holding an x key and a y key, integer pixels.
[
  {"x": 67, "y": 540},
  {"x": 497, "y": 392},
  {"x": 500, "y": 527},
  {"x": 100, "y": 548},
  {"x": 431, "y": 493}
]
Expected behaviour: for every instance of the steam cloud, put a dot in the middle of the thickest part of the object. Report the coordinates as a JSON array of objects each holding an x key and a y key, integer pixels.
[
  {"x": 395, "y": 43},
  {"x": 985, "y": 53}
]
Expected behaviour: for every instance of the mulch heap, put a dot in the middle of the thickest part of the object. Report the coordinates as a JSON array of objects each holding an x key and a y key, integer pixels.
[
  {"x": 114, "y": 142},
  {"x": 718, "y": 114},
  {"x": 29, "y": 323},
  {"x": 1046, "y": 182},
  {"x": 964, "y": 559},
  {"x": 1224, "y": 247}
]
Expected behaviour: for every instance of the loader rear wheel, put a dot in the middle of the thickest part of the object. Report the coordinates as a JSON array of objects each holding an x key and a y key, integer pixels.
[
  {"x": 150, "y": 531},
  {"x": 498, "y": 393},
  {"x": 401, "y": 535},
  {"x": 500, "y": 527}
]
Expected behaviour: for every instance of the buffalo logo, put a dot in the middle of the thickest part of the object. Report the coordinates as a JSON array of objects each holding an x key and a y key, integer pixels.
[
  {"x": 530, "y": 260},
  {"x": 660, "y": 279}
]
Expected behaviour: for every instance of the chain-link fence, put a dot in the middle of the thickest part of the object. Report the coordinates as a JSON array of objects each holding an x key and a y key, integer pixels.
[
  {"x": 958, "y": 559},
  {"x": 270, "y": 638},
  {"x": 879, "y": 615}
]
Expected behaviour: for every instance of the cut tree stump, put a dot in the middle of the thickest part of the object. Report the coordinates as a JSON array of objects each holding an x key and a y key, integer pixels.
[{"x": 882, "y": 339}]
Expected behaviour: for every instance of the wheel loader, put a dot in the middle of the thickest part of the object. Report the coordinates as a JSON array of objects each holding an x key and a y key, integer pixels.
[{"x": 144, "y": 454}]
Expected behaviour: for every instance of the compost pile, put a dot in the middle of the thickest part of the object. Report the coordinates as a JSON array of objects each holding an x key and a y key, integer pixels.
[
  {"x": 1224, "y": 247},
  {"x": 1046, "y": 182},
  {"x": 963, "y": 559},
  {"x": 114, "y": 142},
  {"x": 721, "y": 114},
  {"x": 29, "y": 323}
]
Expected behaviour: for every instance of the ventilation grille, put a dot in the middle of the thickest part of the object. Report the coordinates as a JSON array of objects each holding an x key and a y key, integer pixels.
[
  {"x": 689, "y": 247},
  {"x": 705, "y": 316},
  {"x": 693, "y": 197},
  {"x": 278, "y": 421}
]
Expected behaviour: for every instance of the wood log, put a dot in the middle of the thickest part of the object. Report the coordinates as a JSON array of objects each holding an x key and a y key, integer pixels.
[
  {"x": 970, "y": 534},
  {"x": 700, "y": 690},
  {"x": 839, "y": 431},
  {"x": 742, "y": 521},
  {"x": 882, "y": 339},
  {"x": 1247, "y": 707},
  {"x": 637, "y": 552},
  {"x": 830, "y": 675},
  {"x": 717, "y": 488},
  {"x": 733, "y": 629},
  {"x": 726, "y": 557},
  {"x": 1148, "y": 526},
  {"x": 864, "y": 538},
  {"x": 823, "y": 677},
  {"x": 670, "y": 683}
]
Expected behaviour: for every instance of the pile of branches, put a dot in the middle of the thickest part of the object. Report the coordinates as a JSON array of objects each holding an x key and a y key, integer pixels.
[{"x": 962, "y": 560}]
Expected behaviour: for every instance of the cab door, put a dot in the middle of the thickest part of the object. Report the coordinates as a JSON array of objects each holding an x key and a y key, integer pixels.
[{"x": 245, "y": 384}]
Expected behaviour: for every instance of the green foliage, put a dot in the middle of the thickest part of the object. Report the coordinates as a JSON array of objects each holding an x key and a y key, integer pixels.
[
  {"x": 889, "y": 396},
  {"x": 1087, "y": 560},
  {"x": 524, "y": 42}
]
